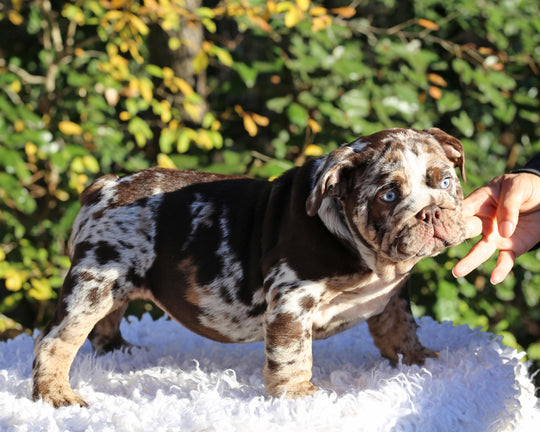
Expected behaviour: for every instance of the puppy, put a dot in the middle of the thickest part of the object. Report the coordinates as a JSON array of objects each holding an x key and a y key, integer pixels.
[{"x": 322, "y": 248}]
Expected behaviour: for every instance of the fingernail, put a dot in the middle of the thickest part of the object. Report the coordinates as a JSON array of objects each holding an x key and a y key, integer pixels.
[
  {"x": 456, "y": 273},
  {"x": 506, "y": 229}
]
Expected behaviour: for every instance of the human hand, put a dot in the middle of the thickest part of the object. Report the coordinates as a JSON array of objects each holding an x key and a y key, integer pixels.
[{"x": 507, "y": 213}]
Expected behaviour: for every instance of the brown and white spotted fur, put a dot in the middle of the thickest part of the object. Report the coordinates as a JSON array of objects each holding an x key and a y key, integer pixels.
[{"x": 320, "y": 249}]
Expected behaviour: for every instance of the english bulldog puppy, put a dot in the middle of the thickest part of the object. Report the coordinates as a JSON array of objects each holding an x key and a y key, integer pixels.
[{"x": 322, "y": 248}]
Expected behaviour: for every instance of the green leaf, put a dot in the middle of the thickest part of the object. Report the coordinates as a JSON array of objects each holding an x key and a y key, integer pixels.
[
  {"x": 140, "y": 130},
  {"x": 14, "y": 163},
  {"x": 355, "y": 103},
  {"x": 167, "y": 140},
  {"x": 154, "y": 70},
  {"x": 297, "y": 114},
  {"x": 464, "y": 123},
  {"x": 449, "y": 102},
  {"x": 17, "y": 194},
  {"x": 533, "y": 351},
  {"x": 279, "y": 104},
  {"x": 247, "y": 73},
  {"x": 506, "y": 114}
]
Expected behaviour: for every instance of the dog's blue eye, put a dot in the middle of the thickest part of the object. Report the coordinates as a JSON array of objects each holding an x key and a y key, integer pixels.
[
  {"x": 445, "y": 183},
  {"x": 389, "y": 197}
]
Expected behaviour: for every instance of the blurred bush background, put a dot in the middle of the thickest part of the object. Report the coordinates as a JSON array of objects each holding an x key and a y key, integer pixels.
[{"x": 90, "y": 87}]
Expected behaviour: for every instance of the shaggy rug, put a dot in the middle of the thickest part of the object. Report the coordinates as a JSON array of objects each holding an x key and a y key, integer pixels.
[{"x": 182, "y": 382}]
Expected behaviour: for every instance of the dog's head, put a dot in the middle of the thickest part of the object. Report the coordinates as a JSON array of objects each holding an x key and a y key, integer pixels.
[{"x": 394, "y": 195}]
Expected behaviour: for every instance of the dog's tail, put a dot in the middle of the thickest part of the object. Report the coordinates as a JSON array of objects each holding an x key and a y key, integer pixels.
[
  {"x": 92, "y": 199},
  {"x": 92, "y": 193}
]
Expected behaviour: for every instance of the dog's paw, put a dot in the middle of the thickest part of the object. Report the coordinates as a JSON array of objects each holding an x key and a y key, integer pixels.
[
  {"x": 418, "y": 357},
  {"x": 124, "y": 347},
  {"x": 61, "y": 398},
  {"x": 294, "y": 391}
]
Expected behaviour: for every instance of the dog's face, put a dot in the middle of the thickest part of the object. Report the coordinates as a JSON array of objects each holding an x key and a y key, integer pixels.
[{"x": 397, "y": 193}]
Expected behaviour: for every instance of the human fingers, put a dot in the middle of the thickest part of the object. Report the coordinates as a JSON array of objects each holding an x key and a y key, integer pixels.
[
  {"x": 476, "y": 201},
  {"x": 505, "y": 262},
  {"x": 473, "y": 227},
  {"x": 478, "y": 255},
  {"x": 511, "y": 198}
]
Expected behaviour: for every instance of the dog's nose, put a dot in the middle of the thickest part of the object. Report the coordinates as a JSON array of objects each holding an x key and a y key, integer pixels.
[{"x": 430, "y": 215}]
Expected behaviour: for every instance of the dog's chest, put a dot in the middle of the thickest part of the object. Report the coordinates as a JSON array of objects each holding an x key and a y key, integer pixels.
[{"x": 339, "y": 311}]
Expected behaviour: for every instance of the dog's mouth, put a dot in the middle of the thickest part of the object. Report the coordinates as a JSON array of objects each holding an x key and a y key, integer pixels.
[{"x": 419, "y": 240}]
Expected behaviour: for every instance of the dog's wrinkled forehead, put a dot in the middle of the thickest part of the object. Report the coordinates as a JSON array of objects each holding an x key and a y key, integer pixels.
[
  {"x": 391, "y": 145},
  {"x": 400, "y": 150}
]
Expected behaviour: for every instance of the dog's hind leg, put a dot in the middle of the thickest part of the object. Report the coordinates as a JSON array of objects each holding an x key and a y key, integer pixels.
[
  {"x": 106, "y": 336},
  {"x": 86, "y": 299}
]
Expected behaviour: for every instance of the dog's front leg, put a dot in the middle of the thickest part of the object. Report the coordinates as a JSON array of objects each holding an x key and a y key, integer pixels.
[
  {"x": 394, "y": 332},
  {"x": 288, "y": 339}
]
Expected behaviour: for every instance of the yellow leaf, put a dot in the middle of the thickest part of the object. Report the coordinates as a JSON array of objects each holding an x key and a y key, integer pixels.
[
  {"x": 193, "y": 110},
  {"x": 91, "y": 164},
  {"x": 292, "y": 17},
  {"x": 320, "y": 23},
  {"x": 216, "y": 125},
  {"x": 200, "y": 62},
  {"x": 16, "y": 86},
  {"x": 174, "y": 43},
  {"x": 318, "y": 11},
  {"x": 313, "y": 150},
  {"x": 124, "y": 116},
  {"x": 283, "y": 6},
  {"x": 113, "y": 15},
  {"x": 30, "y": 149},
  {"x": 430, "y": 25},
  {"x": 437, "y": 79},
  {"x": 15, "y": 17},
  {"x": 166, "y": 113},
  {"x": 61, "y": 195},
  {"x": 141, "y": 27},
  {"x": 77, "y": 164},
  {"x": 165, "y": 161},
  {"x": 260, "y": 120},
  {"x": 204, "y": 141},
  {"x": 15, "y": 279},
  {"x": 223, "y": 56},
  {"x": 2, "y": 255},
  {"x": 18, "y": 126},
  {"x": 315, "y": 127},
  {"x": 168, "y": 73},
  {"x": 271, "y": 6},
  {"x": 485, "y": 50},
  {"x": 69, "y": 128},
  {"x": 41, "y": 289},
  {"x": 145, "y": 87},
  {"x": 435, "y": 92},
  {"x": 345, "y": 12},
  {"x": 303, "y": 5},
  {"x": 260, "y": 22},
  {"x": 250, "y": 125},
  {"x": 80, "y": 182}
]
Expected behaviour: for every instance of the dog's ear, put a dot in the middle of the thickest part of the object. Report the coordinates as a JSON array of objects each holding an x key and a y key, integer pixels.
[
  {"x": 452, "y": 147},
  {"x": 332, "y": 179}
]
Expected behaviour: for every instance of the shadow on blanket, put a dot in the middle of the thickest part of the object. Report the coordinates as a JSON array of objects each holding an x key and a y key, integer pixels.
[{"x": 182, "y": 382}]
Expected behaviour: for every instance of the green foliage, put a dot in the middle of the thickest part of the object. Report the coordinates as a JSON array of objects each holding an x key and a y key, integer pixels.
[{"x": 270, "y": 83}]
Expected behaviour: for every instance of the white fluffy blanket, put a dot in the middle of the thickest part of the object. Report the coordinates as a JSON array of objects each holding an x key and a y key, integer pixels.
[{"x": 186, "y": 383}]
